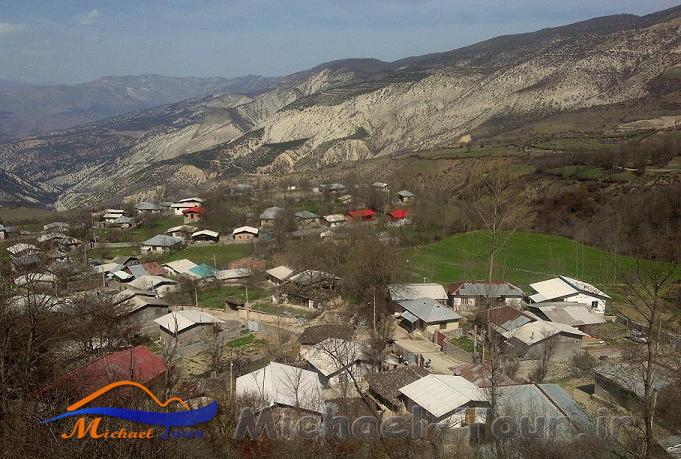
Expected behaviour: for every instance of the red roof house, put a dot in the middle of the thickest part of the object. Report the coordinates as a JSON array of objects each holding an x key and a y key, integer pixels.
[
  {"x": 399, "y": 214},
  {"x": 192, "y": 214},
  {"x": 137, "y": 364},
  {"x": 362, "y": 215}
]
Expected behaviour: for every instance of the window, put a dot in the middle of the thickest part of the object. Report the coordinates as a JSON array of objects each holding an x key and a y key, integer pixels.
[
  {"x": 443, "y": 326},
  {"x": 594, "y": 305}
]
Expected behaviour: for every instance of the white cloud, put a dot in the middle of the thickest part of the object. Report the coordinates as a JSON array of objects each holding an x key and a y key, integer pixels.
[
  {"x": 90, "y": 17},
  {"x": 6, "y": 28}
]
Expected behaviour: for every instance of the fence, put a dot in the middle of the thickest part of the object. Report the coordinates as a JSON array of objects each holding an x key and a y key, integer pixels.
[{"x": 665, "y": 336}]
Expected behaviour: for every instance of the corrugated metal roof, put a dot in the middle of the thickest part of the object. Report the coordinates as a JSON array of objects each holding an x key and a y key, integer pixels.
[
  {"x": 285, "y": 385},
  {"x": 306, "y": 215},
  {"x": 568, "y": 313},
  {"x": 401, "y": 292},
  {"x": 237, "y": 273},
  {"x": 180, "y": 266},
  {"x": 442, "y": 394},
  {"x": 429, "y": 310},
  {"x": 246, "y": 229},
  {"x": 534, "y": 332},
  {"x": 203, "y": 271},
  {"x": 185, "y": 319},
  {"x": 333, "y": 355},
  {"x": 206, "y": 232},
  {"x": 161, "y": 240},
  {"x": 281, "y": 273},
  {"x": 271, "y": 213}
]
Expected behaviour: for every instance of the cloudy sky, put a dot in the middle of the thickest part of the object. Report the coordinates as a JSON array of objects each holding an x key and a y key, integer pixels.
[{"x": 62, "y": 41}]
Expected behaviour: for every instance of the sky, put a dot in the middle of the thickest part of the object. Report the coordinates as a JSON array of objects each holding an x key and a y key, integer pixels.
[{"x": 60, "y": 41}]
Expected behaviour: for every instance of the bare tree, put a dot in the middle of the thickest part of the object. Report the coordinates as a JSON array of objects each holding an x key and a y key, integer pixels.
[{"x": 647, "y": 290}]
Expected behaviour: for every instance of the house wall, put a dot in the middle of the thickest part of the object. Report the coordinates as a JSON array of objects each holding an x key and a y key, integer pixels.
[
  {"x": 145, "y": 317},
  {"x": 564, "y": 347},
  {"x": 266, "y": 222},
  {"x": 244, "y": 237},
  {"x": 433, "y": 328},
  {"x": 612, "y": 393},
  {"x": 589, "y": 301}
]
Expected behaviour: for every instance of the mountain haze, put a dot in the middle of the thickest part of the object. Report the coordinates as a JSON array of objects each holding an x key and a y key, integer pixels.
[{"x": 363, "y": 108}]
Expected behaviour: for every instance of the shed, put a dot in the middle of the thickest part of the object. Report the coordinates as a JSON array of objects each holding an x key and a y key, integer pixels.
[{"x": 205, "y": 236}]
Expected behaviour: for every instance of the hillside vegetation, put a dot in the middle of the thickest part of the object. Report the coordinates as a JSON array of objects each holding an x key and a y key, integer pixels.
[{"x": 529, "y": 257}]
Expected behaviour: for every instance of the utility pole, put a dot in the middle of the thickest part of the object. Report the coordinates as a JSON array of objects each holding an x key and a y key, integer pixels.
[
  {"x": 215, "y": 265},
  {"x": 374, "y": 310},
  {"x": 196, "y": 297},
  {"x": 246, "y": 285}
]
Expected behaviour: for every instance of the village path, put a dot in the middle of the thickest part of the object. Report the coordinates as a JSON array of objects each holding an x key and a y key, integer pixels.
[{"x": 440, "y": 362}]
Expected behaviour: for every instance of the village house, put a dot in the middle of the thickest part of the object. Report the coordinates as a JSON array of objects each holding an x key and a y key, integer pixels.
[
  {"x": 427, "y": 316},
  {"x": 178, "y": 267},
  {"x": 144, "y": 269},
  {"x": 563, "y": 288},
  {"x": 344, "y": 199},
  {"x": 160, "y": 285},
  {"x": 362, "y": 215},
  {"x": 205, "y": 237},
  {"x": 469, "y": 295},
  {"x": 270, "y": 215},
  {"x": 381, "y": 186},
  {"x": 450, "y": 401},
  {"x": 398, "y": 214},
  {"x": 188, "y": 326},
  {"x": 110, "y": 215},
  {"x": 576, "y": 315},
  {"x": 480, "y": 374},
  {"x": 178, "y": 206},
  {"x": 534, "y": 340},
  {"x": 333, "y": 359},
  {"x": 57, "y": 226},
  {"x": 137, "y": 364},
  {"x": 125, "y": 260},
  {"x": 192, "y": 214},
  {"x": 306, "y": 218},
  {"x": 122, "y": 222},
  {"x": 202, "y": 272},
  {"x": 622, "y": 383},
  {"x": 279, "y": 275},
  {"x": 533, "y": 404},
  {"x": 22, "y": 249},
  {"x": 233, "y": 276},
  {"x": 507, "y": 318},
  {"x": 142, "y": 307},
  {"x": 161, "y": 244},
  {"x": 405, "y": 197},
  {"x": 279, "y": 385},
  {"x": 245, "y": 233},
  {"x": 148, "y": 208},
  {"x": 35, "y": 279},
  {"x": 310, "y": 288},
  {"x": 335, "y": 220},
  {"x": 183, "y": 232},
  {"x": 402, "y": 292},
  {"x": 384, "y": 387}
]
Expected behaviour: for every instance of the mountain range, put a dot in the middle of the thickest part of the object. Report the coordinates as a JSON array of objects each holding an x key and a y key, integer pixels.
[{"x": 348, "y": 110}]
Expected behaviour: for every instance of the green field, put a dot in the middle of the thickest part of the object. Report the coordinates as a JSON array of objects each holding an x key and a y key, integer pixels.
[
  {"x": 576, "y": 144},
  {"x": 214, "y": 296},
  {"x": 204, "y": 254},
  {"x": 528, "y": 257}
]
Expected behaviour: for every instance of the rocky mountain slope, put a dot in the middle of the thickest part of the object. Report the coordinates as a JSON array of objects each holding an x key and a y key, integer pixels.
[
  {"x": 360, "y": 108},
  {"x": 32, "y": 110}
]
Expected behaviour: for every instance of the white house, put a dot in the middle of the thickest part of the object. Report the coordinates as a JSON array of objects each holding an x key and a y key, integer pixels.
[
  {"x": 402, "y": 292},
  {"x": 160, "y": 285},
  {"x": 178, "y": 206},
  {"x": 283, "y": 385},
  {"x": 563, "y": 288},
  {"x": 451, "y": 401},
  {"x": 245, "y": 233},
  {"x": 333, "y": 359},
  {"x": 335, "y": 220}
]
